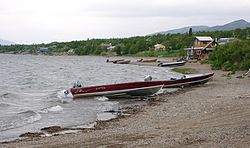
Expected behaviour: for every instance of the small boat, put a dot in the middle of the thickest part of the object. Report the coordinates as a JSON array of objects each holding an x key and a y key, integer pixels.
[
  {"x": 191, "y": 79},
  {"x": 138, "y": 89},
  {"x": 114, "y": 61},
  {"x": 123, "y": 62},
  {"x": 134, "y": 89},
  {"x": 170, "y": 64},
  {"x": 147, "y": 60}
]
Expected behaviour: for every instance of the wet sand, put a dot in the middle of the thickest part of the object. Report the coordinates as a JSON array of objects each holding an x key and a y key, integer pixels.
[{"x": 216, "y": 114}]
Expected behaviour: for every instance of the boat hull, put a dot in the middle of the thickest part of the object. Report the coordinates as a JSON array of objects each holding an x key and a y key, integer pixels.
[
  {"x": 123, "y": 89},
  {"x": 192, "y": 80},
  {"x": 123, "y": 62},
  {"x": 137, "y": 89},
  {"x": 172, "y": 64},
  {"x": 147, "y": 60}
]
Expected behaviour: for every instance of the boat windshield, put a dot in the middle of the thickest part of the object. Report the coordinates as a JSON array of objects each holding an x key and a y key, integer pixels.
[{"x": 78, "y": 84}]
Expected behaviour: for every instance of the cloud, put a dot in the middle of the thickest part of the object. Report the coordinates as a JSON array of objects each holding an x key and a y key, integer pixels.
[
  {"x": 170, "y": 8},
  {"x": 49, "y": 20}
]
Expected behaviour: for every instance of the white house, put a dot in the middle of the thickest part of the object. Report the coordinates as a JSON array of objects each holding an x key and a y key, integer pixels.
[{"x": 159, "y": 47}]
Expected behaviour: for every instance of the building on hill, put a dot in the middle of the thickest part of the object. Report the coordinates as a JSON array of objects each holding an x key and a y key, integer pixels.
[
  {"x": 71, "y": 52},
  {"x": 109, "y": 46},
  {"x": 43, "y": 49},
  {"x": 159, "y": 47},
  {"x": 223, "y": 41},
  {"x": 201, "y": 47}
]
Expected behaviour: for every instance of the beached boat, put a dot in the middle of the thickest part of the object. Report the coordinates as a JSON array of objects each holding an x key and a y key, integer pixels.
[
  {"x": 171, "y": 64},
  {"x": 145, "y": 88},
  {"x": 147, "y": 60},
  {"x": 114, "y": 61},
  {"x": 123, "y": 62},
  {"x": 122, "y": 89},
  {"x": 186, "y": 80}
]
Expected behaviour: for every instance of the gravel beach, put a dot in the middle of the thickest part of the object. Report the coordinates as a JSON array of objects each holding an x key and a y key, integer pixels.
[{"x": 215, "y": 114}]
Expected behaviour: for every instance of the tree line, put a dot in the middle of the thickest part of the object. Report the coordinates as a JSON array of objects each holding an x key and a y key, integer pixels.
[
  {"x": 128, "y": 46},
  {"x": 144, "y": 46}
]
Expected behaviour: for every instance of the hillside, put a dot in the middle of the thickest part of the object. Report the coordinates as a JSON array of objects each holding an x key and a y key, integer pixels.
[
  {"x": 5, "y": 42},
  {"x": 241, "y": 24}
]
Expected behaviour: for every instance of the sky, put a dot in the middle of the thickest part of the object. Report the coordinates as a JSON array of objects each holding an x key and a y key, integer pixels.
[{"x": 44, "y": 21}]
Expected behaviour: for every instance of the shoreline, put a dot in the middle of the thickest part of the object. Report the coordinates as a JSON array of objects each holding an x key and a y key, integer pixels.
[{"x": 215, "y": 114}]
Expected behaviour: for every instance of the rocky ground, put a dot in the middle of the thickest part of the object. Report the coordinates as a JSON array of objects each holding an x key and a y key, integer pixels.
[{"x": 216, "y": 114}]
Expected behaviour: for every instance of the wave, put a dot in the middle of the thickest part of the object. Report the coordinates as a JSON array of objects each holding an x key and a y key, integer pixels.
[
  {"x": 6, "y": 105},
  {"x": 108, "y": 106},
  {"x": 56, "y": 108},
  {"x": 102, "y": 98},
  {"x": 18, "y": 120},
  {"x": 105, "y": 116},
  {"x": 63, "y": 96},
  {"x": 8, "y": 95}
]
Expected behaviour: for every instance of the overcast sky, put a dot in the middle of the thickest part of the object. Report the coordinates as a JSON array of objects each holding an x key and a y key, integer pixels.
[{"x": 43, "y": 21}]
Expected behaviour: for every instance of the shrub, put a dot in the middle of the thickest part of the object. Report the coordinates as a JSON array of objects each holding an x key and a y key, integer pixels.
[{"x": 232, "y": 56}]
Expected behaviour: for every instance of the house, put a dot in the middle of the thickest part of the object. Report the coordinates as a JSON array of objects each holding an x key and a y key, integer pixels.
[
  {"x": 223, "y": 41},
  {"x": 159, "y": 47},
  {"x": 105, "y": 45},
  {"x": 201, "y": 47},
  {"x": 43, "y": 49},
  {"x": 71, "y": 52},
  {"x": 109, "y": 46}
]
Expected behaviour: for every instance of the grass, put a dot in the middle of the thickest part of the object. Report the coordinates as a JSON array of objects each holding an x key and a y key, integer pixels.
[{"x": 185, "y": 70}]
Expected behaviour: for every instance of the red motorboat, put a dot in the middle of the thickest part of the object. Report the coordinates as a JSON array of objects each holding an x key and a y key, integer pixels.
[
  {"x": 145, "y": 88},
  {"x": 121, "y": 89}
]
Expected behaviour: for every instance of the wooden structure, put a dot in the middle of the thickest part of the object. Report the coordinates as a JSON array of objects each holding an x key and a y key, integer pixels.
[
  {"x": 223, "y": 41},
  {"x": 159, "y": 47},
  {"x": 202, "y": 46},
  {"x": 43, "y": 49}
]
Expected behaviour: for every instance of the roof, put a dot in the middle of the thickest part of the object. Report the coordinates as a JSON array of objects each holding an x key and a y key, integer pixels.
[
  {"x": 159, "y": 46},
  {"x": 204, "y": 38},
  {"x": 225, "y": 40},
  {"x": 43, "y": 49}
]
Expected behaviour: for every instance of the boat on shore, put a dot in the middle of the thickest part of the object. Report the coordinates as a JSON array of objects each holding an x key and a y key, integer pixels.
[
  {"x": 137, "y": 89},
  {"x": 133, "y": 89},
  {"x": 147, "y": 60},
  {"x": 114, "y": 61},
  {"x": 187, "y": 80},
  {"x": 171, "y": 64},
  {"x": 123, "y": 62}
]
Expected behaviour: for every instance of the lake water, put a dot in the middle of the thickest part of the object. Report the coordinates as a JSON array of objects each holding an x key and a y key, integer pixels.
[{"x": 31, "y": 90}]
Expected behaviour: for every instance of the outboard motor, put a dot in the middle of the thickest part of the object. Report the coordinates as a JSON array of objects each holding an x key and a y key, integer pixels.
[
  {"x": 159, "y": 63},
  {"x": 139, "y": 60},
  {"x": 148, "y": 78},
  {"x": 66, "y": 92}
]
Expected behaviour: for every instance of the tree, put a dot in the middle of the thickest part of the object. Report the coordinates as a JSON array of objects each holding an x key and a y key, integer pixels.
[{"x": 190, "y": 32}]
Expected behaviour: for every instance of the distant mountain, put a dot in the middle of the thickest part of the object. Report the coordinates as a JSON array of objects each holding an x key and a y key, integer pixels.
[
  {"x": 183, "y": 30},
  {"x": 5, "y": 42},
  {"x": 242, "y": 24}
]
